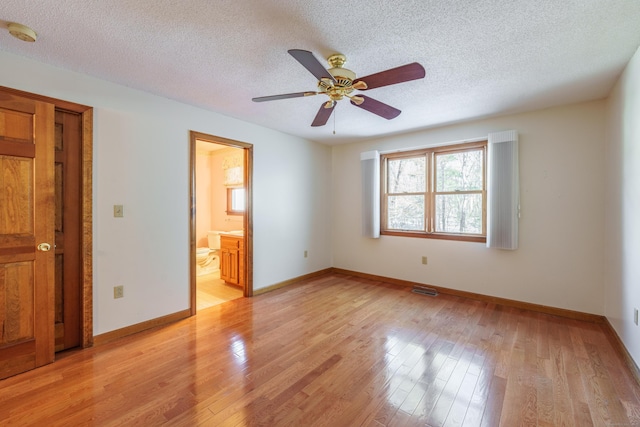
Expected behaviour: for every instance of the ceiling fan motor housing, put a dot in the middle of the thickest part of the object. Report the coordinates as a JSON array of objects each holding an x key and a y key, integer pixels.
[{"x": 343, "y": 78}]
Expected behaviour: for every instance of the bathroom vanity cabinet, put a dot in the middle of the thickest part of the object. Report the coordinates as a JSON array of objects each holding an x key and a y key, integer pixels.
[{"x": 232, "y": 259}]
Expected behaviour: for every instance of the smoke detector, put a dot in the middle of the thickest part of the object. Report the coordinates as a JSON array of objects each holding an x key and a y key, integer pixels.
[{"x": 22, "y": 32}]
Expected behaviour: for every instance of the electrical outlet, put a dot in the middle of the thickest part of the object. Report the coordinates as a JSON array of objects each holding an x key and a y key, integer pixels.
[
  {"x": 118, "y": 291},
  {"x": 306, "y": 254},
  {"x": 635, "y": 316},
  {"x": 118, "y": 211},
  {"x": 424, "y": 260}
]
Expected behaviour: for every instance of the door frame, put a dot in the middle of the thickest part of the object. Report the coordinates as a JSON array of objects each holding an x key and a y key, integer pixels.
[
  {"x": 248, "y": 215},
  {"x": 86, "y": 113}
]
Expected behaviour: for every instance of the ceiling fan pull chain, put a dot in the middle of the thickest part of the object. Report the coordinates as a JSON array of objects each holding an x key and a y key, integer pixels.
[{"x": 334, "y": 120}]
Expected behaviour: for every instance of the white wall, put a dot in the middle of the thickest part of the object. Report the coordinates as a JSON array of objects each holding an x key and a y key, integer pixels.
[
  {"x": 141, "y": 145},
  {"x": 622, "y": 262},
  {"x": 560, "y": 259}
]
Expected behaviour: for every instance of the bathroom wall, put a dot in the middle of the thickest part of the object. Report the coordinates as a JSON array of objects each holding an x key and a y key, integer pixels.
[
  {"x": 219, "y": 218},
  {"x": 141, "y": 160},
  {"x": 204, "y": 193},
  {"x": 211, "y": 192}
]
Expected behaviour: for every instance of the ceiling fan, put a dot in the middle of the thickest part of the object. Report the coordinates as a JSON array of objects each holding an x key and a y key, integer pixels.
[{"x": 338, "y": 82}]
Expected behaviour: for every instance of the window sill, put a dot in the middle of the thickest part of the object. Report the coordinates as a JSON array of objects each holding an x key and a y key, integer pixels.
[{"x": 440, "y": 236}]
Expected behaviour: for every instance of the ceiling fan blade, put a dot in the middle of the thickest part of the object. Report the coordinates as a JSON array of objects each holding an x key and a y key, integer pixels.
[
  {"x": 283, "y": 96},
  {"x": 392, "y": 76},
  {"x": 323, "y": 115},
  {"x": 310, "y": 62},
  {"x": 377, "y": 107}
]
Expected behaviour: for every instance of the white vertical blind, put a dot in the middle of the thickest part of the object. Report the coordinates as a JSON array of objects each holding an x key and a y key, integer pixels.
[
  {"x": 370, "y": 166},
  {"x": 503, "y": 190}
]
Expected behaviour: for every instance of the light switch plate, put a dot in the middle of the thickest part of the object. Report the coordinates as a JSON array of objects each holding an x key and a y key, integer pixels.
[{"x": 118, "y": 211}]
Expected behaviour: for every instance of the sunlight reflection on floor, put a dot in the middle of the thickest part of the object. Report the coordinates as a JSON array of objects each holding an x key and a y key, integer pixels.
[{"x": 428, "y": 381}]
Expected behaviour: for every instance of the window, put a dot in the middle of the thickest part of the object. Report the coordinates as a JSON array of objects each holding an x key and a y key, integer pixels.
[
  {"x": 235, "y": 201},
  {"x": 438, "y": 192}
]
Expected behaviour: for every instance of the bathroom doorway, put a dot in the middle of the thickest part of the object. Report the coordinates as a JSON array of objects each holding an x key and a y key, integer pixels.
[{"x": 220, "y": 220}]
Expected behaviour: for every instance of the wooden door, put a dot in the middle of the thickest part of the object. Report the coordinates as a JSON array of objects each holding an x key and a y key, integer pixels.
[
  {"x": 68, "y": 229},
  {"x": 26, "y": 234}
]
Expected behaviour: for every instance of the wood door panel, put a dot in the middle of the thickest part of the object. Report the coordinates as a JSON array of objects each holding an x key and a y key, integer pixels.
[
  {"x": 59, "y": 183},
  {"x": 17, "y": 358},
  {"x": 22, "y": 254},
  {"x": 16, "y": 126},
  {"x": 16, "y": 201},
  {"x": 18, "y": 149},
  {"x": 11, "y": 243},
  {"x": 26, "y": 219},
  {"x": 16, "y": 303},
  {"x": 59, "y": 136},
  {"x": 233, "y": 270},
  {"x": 225, "y": 264},
  {"x": 59, "y": 310}
]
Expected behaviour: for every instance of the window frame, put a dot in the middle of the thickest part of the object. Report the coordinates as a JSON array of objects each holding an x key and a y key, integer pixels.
[
  {"x": 230, "y": 210},
  {"x": 430, "y": 192}
]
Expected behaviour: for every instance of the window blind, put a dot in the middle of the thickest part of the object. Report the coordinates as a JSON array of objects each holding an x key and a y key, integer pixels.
[
  {"x": 370, "y": 168},
  {"x": 503, "y": 190}
]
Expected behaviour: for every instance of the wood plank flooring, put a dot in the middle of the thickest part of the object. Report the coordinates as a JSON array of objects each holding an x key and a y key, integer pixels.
[
  {"x": 211, "y": 290},
  {"x": 339, "y": 351}
]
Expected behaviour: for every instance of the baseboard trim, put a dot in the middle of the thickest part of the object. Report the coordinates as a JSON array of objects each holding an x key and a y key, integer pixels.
[
  {"x": 617, "y": 343},
  {"x": 292, "y": 281},
  {"x": 561, "y": 312},
  {"x": 108, "y": 337}
]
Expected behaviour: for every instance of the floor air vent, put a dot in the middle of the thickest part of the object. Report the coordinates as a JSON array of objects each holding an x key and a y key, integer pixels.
[{"x": 424, "y": 291}]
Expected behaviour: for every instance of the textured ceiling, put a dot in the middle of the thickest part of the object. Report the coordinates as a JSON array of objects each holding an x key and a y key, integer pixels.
[{"x": 482, "y": 57}]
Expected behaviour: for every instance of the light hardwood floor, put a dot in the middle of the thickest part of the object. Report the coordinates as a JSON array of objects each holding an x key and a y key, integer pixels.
[
  {"x": 339, "y": 351},
  {"x": 211, "y": 290}
]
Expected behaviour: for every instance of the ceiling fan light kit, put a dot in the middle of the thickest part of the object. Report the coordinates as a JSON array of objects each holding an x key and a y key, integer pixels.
[{"x": 338, "y": 83}]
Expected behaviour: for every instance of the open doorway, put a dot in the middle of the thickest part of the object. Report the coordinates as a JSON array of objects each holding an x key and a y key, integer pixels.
[{"x": 220, "y": 220}]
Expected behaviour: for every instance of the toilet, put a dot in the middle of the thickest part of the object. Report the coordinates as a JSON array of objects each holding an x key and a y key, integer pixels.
[{"x": 208, "y": 259}]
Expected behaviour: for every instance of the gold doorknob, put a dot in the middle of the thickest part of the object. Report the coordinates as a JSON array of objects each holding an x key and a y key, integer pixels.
[{"x": 44, "y": 247}]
